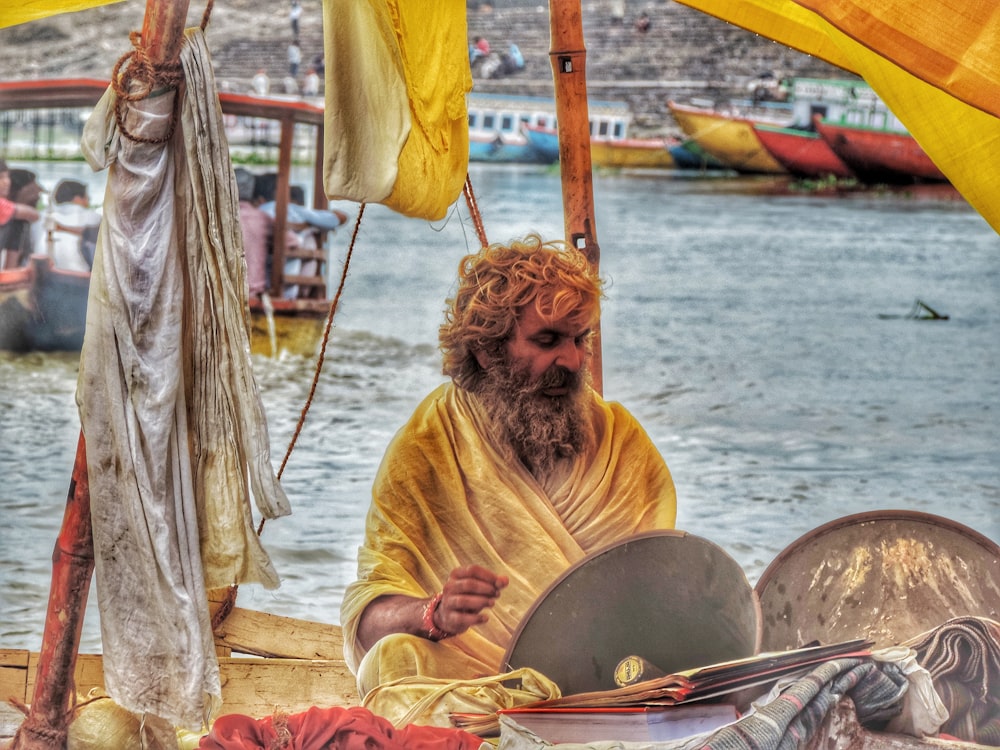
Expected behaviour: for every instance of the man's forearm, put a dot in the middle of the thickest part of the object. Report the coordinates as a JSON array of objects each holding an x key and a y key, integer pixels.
[{"x": 391, "y": 614}]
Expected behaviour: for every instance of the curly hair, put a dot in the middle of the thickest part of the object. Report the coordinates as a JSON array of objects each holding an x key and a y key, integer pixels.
[{"x": 496, "y": 284}]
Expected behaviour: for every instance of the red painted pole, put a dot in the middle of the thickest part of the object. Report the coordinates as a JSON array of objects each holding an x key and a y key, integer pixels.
[{"x": 47, "y": 723}]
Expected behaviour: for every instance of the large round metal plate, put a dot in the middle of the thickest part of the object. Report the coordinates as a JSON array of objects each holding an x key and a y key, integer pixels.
[
  {"x": 672, "y": 598},
  {"x": 883, "y": 575}
]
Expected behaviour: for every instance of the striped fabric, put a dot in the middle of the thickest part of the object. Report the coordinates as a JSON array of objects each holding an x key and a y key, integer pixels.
[
  {"x": 790, "y": 720},
  {"x": 963, "y": 658}
]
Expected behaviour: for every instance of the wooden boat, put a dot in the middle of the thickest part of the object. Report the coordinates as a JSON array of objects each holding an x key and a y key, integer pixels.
[
  {"x": 609, "y": 152},
  {"x": 729, "y": 138},
  {"x": 880, "y": 155},
  {"x": 781, "y": 130},
  {"x": 687, "y": 154},
  {"x": 279, "y": 325},
  {"x": 802, "y": 152},
  {"x": 496, "y": 123},
  {"x": 42, "y": 308},
  {"x": 311, "y": 676},
  {"x": 523, "y": 129}
]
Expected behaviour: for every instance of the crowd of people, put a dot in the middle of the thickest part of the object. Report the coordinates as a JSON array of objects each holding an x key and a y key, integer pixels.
[
  {"x": 63, "y": 225},
  {"x": 485, "y": 63}
]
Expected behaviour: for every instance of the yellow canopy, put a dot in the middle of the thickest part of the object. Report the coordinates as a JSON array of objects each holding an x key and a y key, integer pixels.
[
  {"x": 13, "y": 12},
  {"x": 933, "y": 62}
]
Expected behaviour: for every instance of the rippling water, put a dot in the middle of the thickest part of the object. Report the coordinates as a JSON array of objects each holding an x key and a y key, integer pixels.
[{"x": 760, "y": 336}]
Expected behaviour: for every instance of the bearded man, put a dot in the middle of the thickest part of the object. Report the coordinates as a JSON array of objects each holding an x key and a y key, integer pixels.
[{"x": 502, "y": 478}]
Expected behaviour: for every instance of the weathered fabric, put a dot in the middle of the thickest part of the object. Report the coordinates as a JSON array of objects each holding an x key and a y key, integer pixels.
[
  {"x": 322, "y": 728},
  {"x": 175, "y": 428},
  {"x": 963, "y": 658},
  {"x": 791, "y": 719},
  {"x": 444, "y": 497},
  {"x": 397, "y": 73},
  {"x": 432, "y": 701}
]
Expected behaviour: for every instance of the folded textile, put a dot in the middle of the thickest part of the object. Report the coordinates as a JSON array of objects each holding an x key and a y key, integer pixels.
[
  {"x": 791, "y": 719},
  {"x": 321, "y": 728},
  {"x": 963, "y": 658}
]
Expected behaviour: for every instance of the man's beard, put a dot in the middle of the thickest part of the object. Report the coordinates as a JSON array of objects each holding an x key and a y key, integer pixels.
[{"x": 538, "y": 430}]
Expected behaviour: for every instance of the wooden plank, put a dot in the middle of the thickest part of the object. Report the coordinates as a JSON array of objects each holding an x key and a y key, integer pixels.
[
  {"x": 246, "y": 631},
  {"x": 257, "y": 687},
  {"x": 13, "y": 674},
  {"x": 250, "y": 685}
]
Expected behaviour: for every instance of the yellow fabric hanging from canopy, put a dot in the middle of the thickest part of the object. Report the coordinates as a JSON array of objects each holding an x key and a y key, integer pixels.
[
  {"x": 933, "y": 62},
  {"x": 13, "y": 12}
]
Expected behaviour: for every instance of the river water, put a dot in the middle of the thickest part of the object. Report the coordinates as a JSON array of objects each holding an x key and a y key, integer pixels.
[{"x": 761, "y": 336}]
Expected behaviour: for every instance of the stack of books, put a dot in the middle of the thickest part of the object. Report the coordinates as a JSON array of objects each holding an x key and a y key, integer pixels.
[{"x": 668, "y": 707}]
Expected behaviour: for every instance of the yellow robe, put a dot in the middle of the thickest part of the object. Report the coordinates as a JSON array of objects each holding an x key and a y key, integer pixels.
[{"x": 444, "y": 497}]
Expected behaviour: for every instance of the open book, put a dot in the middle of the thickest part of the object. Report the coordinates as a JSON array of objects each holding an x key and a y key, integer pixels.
[
  {"x": 688, "y": 686},
  {"x": 714, "y": 680}
]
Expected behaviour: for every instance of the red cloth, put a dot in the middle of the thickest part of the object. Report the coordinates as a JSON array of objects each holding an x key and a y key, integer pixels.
[{"x": 322, "y": 728}]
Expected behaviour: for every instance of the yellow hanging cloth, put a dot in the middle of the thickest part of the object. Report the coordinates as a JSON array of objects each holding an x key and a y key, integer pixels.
[
  {"x": 13, "y": 12},
  {"x": 397, "y": 73},
  {"x": 932, "y": 62}
]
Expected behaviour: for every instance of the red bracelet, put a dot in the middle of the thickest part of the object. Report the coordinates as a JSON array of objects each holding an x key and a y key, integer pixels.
[{"x": 434, "y": 633}]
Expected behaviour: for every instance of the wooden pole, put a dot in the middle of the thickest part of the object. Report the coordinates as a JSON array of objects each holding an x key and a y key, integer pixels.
[
  {"x": 569, "y": 72},
  {"x": 72, "y": 568},
  {"x": 46, "y": 726},
  {"x": 281, "y": 194}
]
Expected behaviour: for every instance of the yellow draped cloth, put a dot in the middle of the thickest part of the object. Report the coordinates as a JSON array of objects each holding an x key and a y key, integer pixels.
[
  {"x": 397, "y": 133},
  {"x": 445, "y": 497},
  {"x": 14, "y": 12},
  {"x": 934, "y": 62}
]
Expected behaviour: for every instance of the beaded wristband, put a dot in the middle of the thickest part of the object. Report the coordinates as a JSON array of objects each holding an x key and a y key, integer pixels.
[{"x": 434, "y": 633}]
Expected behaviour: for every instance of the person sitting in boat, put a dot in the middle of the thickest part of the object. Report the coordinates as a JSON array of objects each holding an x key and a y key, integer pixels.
[
  {"x": 68, "y": 229},
  {"x": 18, "y": 209},
  {"x": 306, "y": 229},
  {"x": 502, "y": 478},
  {"x": 257, "y": 228}
]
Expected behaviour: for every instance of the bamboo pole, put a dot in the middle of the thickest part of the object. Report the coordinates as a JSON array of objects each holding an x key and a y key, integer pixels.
[
  {"x": 46, "y": 726},
  {"x": 568, "y": 55},
  {"x": 72, "y": 569},
  {"x": 282, "y": 192}
]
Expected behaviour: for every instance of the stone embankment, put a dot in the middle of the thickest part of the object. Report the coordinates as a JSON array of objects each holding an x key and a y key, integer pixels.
[{"x": 684, "y": 53}]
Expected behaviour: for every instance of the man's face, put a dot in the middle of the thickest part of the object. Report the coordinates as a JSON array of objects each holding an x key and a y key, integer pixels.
[{"x": 543, "y": 347}]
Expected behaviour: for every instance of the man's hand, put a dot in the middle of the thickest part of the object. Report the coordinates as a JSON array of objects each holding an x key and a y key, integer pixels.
[{"x": 467, "y": 592}]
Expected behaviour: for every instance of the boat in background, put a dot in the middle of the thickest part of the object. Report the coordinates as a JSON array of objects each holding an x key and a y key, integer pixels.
[
  {"x": 607, "y": 151},
  {"x": 42, "y": 308},
  {"x": 524, "y": 129},
  {"x": 729, "y": 136},
  {"x": 732, "y": 133},
  {"x": 48, "y": 305},
  {"x": 802, "y": 152},
  {"x": 880, "y": 154},
  {"x": 496, "y": 127},
  {"x": 687, "y": 154}
]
